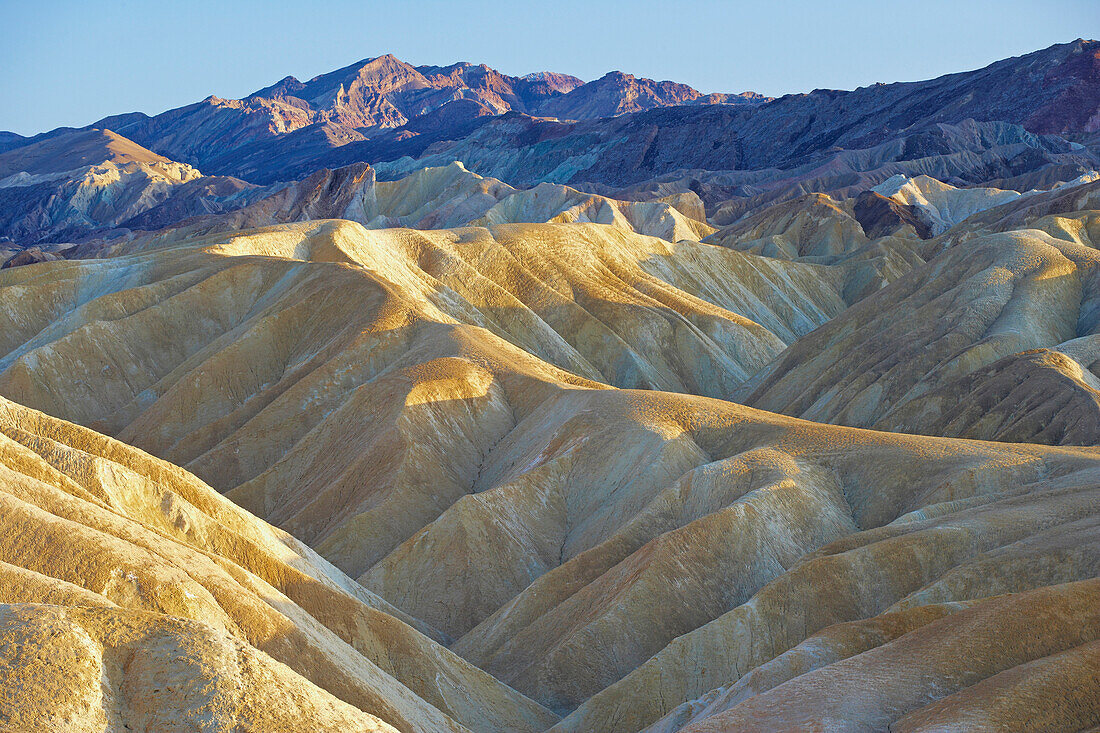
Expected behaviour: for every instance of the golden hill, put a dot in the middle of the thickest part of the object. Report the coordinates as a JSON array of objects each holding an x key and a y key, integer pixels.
[
  {"x": 453, "y": 418},
  {"x": 435, "y": 198},
  {"x": 993, "y": 338},
  {"x": 237, "y": 360},
  {"x": 134, "y": 595}
]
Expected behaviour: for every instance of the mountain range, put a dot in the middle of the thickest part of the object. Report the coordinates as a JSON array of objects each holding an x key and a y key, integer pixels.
[
  {"x": 382, "y": 94},
  {"x": 1016, "y": 122}
]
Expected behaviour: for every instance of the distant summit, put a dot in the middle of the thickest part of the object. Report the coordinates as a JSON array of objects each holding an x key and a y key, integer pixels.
[
  {"x": 621, "y": 130},
  {"x": 382, "y": 93}
]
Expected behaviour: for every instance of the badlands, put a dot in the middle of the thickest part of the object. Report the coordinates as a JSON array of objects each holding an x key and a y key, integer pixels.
[{"x": 406, "y": 445}]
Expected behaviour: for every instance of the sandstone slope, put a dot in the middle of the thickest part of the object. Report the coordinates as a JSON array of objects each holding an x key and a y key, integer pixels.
[
  {"x": 136, "y": 596},
  {"x": 447, "y": 197},
  {"x": 436, "y": 413},
  {"x": 950, "y": 347},
  {"x": 942, "y": 206}
]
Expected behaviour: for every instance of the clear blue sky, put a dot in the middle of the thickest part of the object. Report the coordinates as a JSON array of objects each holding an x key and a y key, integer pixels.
[{"x": 71, "y": 62}]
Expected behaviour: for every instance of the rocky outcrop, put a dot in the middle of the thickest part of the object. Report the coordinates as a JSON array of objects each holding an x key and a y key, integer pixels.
[
  {"x": 940, "y": 206},
  {"x": 880, "y": 216},
  {"x": 617, "y": 93},
  {"x": 875, "y": 239},
  {"x": 78, "y": 184},
  {"x": 739, "y": 170},
  {"x": 29, "y": 256},
  {"x": 949, "y": 348},
  {"x": 430, "y": 198},
  {"x": 438, "y": 198}
]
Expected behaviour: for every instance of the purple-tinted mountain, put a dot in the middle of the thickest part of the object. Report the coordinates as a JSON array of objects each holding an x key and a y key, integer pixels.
[
  {"x": 617, "y": 93},
  {"x": 619, "y": 131},
  {"x": 1053, "y": 91},
  {"x": 616, "y": 131},
  {"x": 1024, "y": 122},
  {"x": 9, "y": 140},
  {"x": 370, "y": 97}
]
